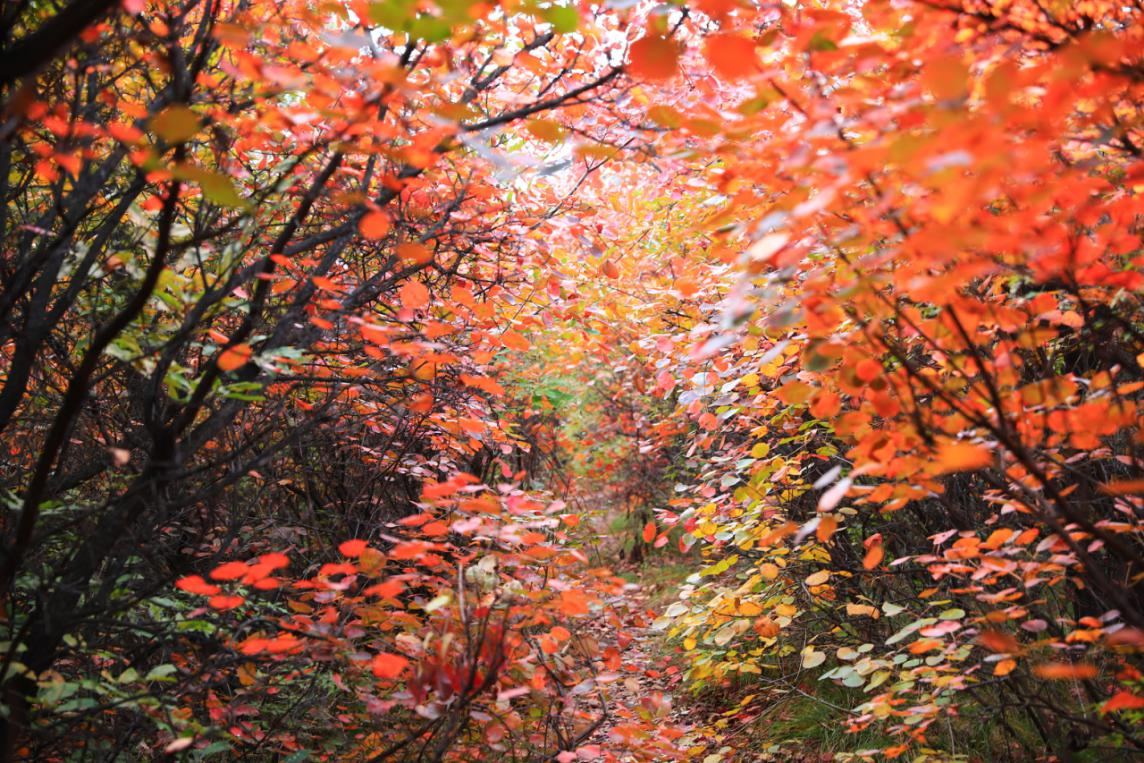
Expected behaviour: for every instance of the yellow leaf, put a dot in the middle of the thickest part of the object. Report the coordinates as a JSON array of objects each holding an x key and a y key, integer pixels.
[
  {"x": 794, "y": 393},
  {"x": 175, "y": 124},
  {"x": 855, "y": 610}
]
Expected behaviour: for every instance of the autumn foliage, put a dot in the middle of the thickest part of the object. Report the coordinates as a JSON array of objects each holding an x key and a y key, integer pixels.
[{"x": 357, "y": 356}]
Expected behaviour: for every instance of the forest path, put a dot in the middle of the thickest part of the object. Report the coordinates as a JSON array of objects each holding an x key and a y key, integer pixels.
[
  {"x": 639, "y": 684},
  {"x": 638, "y": 688}
]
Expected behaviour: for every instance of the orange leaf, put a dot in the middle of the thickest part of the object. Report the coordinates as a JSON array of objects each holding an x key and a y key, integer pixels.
[
  {"x": 730, "y": 55},
  {"x": 649, "y": 532},
  {"x": 514, "y": 340},
  {"x": 962, "y": 457},
  {"x": 1064, "y": 671},
  {"x": 413, "y": 294},
  {"x": 874, "y": 556},
  {"x": 573, "y": 602},
  {"x": 826, "y": 527},
  {"x": 997, "y": 641},
  {"x": 868, "y": 370},
  {"x": 548, "y": 644},
  {"x": 435, "y": 529},
  {"x": 825, "y": 405},
  {"x": 415, "y": 253},
  {"x": 374, "y": 225},
  {"x": 1004, "y": 667},
  {"x": 386, "y": 665},
  {"x": 234, "y": 357},
  {"x": 608, "y": 268},
  {"x": 997, "y": 538},
  {"x": 1123, "y": 487},
  {"x": 921, "y": 646},
  {"x": 654, "y": 58}
]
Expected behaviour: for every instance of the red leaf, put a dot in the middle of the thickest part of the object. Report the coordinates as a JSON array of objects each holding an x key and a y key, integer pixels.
[
  {"x": 224, "y": 601},
  {"x": 274, "y": 560},
  {"x": 352, "y": 547},
  {"x": 345, "y": 568},
  {"x": 1124, "y": 700}
]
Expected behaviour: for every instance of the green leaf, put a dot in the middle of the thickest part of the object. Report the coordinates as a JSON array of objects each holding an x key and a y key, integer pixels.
[
  {"x": 564, "y": 19},
  {"x": 159, "y": 672},
  {"x": 391, "y": 14},
  {"x": 430, "y": 28}
]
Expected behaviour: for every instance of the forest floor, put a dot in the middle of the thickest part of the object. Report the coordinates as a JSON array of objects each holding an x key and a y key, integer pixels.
[{"x": 648, "y": 683}]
